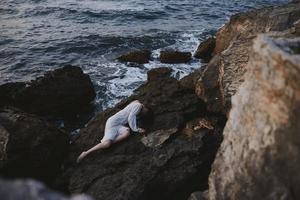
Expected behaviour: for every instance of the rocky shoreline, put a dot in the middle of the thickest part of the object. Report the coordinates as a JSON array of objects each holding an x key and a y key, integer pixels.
[{"x": 251, "y": 79}]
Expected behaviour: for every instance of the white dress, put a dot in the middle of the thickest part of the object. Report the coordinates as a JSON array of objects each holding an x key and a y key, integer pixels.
[{"x": 115, "y": 124}]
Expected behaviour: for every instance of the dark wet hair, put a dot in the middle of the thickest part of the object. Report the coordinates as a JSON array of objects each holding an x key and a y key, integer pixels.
[{"x": 147, "y": 119}]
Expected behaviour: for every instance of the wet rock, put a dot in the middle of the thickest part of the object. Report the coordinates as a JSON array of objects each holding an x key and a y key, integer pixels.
[
  {"x": 30, "y": 147},
  {"x": 170, "y": 171},
  {"x": 173, "y": 57},
  {"x": 259, "y": 157},
  {"x": 205, "y": 49},
  {"x": 65, "y": 91},
  {"x": 139, "y": 57},
  {"x": 157, "y": 73},
  {"x": 157, "y": 138},
  {"x": 32, "y": 190},
  {"x": 233, "y": 45}
]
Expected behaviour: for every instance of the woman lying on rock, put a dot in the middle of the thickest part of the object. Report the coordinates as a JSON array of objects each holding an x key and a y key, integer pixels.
[{"x": 115, "y": 129}]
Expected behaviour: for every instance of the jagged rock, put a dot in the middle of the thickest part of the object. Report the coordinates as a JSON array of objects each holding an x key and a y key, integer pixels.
[
  {"x": 140, "y": 57},
  {"x": 260, "y": 155},
  {"x": 157, "y": 138},
  {"x": 135, "y": 171},
  {"x": 173, "y": 57},
  {"x": 205, "y": 49},
  {"x": 190, "y": 81},
  {"x": 157, "y": 73},
  {"x": 32, "y": 190},
  {"x": 30, "y": 147},
  {"x": 233, "y": 44},
  {"x": 60, "y": 92},
  {"x": 208, "y": 86}
]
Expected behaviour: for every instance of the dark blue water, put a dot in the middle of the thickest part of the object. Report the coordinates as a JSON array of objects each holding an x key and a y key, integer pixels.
[{"x": 41, "y": 35}]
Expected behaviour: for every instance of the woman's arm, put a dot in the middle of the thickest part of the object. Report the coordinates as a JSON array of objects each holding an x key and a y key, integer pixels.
[{"x": 132, "y": 117}]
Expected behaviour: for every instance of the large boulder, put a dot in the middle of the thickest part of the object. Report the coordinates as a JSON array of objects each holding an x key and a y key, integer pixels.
[
  {"x": 260, "y": 155},
  {"x": 233, "y": 45},
  {"x": 32, "y": 190},
  {"x": 65, "y": 91},
  {"x": 168, "y": 164},
  {"x": 29, "y": 146},
  {"x": 140, "y": 57},
  {"x": 173, "y": 57},
  {"x": 206, "y": 49}
]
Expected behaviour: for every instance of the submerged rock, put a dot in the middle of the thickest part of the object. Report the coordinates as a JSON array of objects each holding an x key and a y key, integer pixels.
[
  {"x": 170, "y": 169},
  {"x": 32, "y": 190},
  {"x": 140, "y": 57},
  {"x": 29, "y": 146},
  {"x": 260, "y": 155},
  {"x": 173, "y": 57},
  {"x": 65, "y": 91},
  {"x": 206, "y": 49},
  {"x": 233, "y": 45}
]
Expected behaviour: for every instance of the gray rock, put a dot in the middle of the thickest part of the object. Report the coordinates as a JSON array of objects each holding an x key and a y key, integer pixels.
[
  {"x": 32, "y": 190},
  {"x": 157, "y": 138}
]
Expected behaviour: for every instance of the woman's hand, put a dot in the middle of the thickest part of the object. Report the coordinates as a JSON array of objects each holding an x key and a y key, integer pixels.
[{"x": 141, "y": 130}]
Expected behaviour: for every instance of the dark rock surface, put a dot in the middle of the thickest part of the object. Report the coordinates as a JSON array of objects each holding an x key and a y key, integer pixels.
[
  {"x": 192, "y": 79},
  {"x": 139, "y": 57},
  {"x": 172, "y": 168},
  {"x": 32, "y": 190},
  {"x": 29, "y": 146},
  {"x": 61, "y": 92},
  {"x": 158, "y": 73},
  {"x": 173, "y": 57},
  {"x": 206, "y": 49}
]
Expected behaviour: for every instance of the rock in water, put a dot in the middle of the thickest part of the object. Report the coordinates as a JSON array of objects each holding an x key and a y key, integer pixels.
[
  {"x": 32, "y": 190},
  {"x": 60, "y": 92},
  {"x": 205, "y": 49},
  {"x": 29, "y": 146},
  {"x": 260, "y": 155},
  {"x": 139, "y": 57},
  {"x": 157, "y": 73},
  {"x": 233, "y": 45},
  {"x": 173, "y": 57},
  {"x": 132, "y": 171}
]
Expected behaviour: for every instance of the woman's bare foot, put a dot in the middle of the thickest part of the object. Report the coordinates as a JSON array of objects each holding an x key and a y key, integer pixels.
[{"x": 81, "y": 156}]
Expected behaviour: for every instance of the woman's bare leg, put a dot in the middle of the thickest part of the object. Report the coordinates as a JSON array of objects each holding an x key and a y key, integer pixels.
[
  {"x": 122, "y": 135},
  {"x": 103, "y": 145}
]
